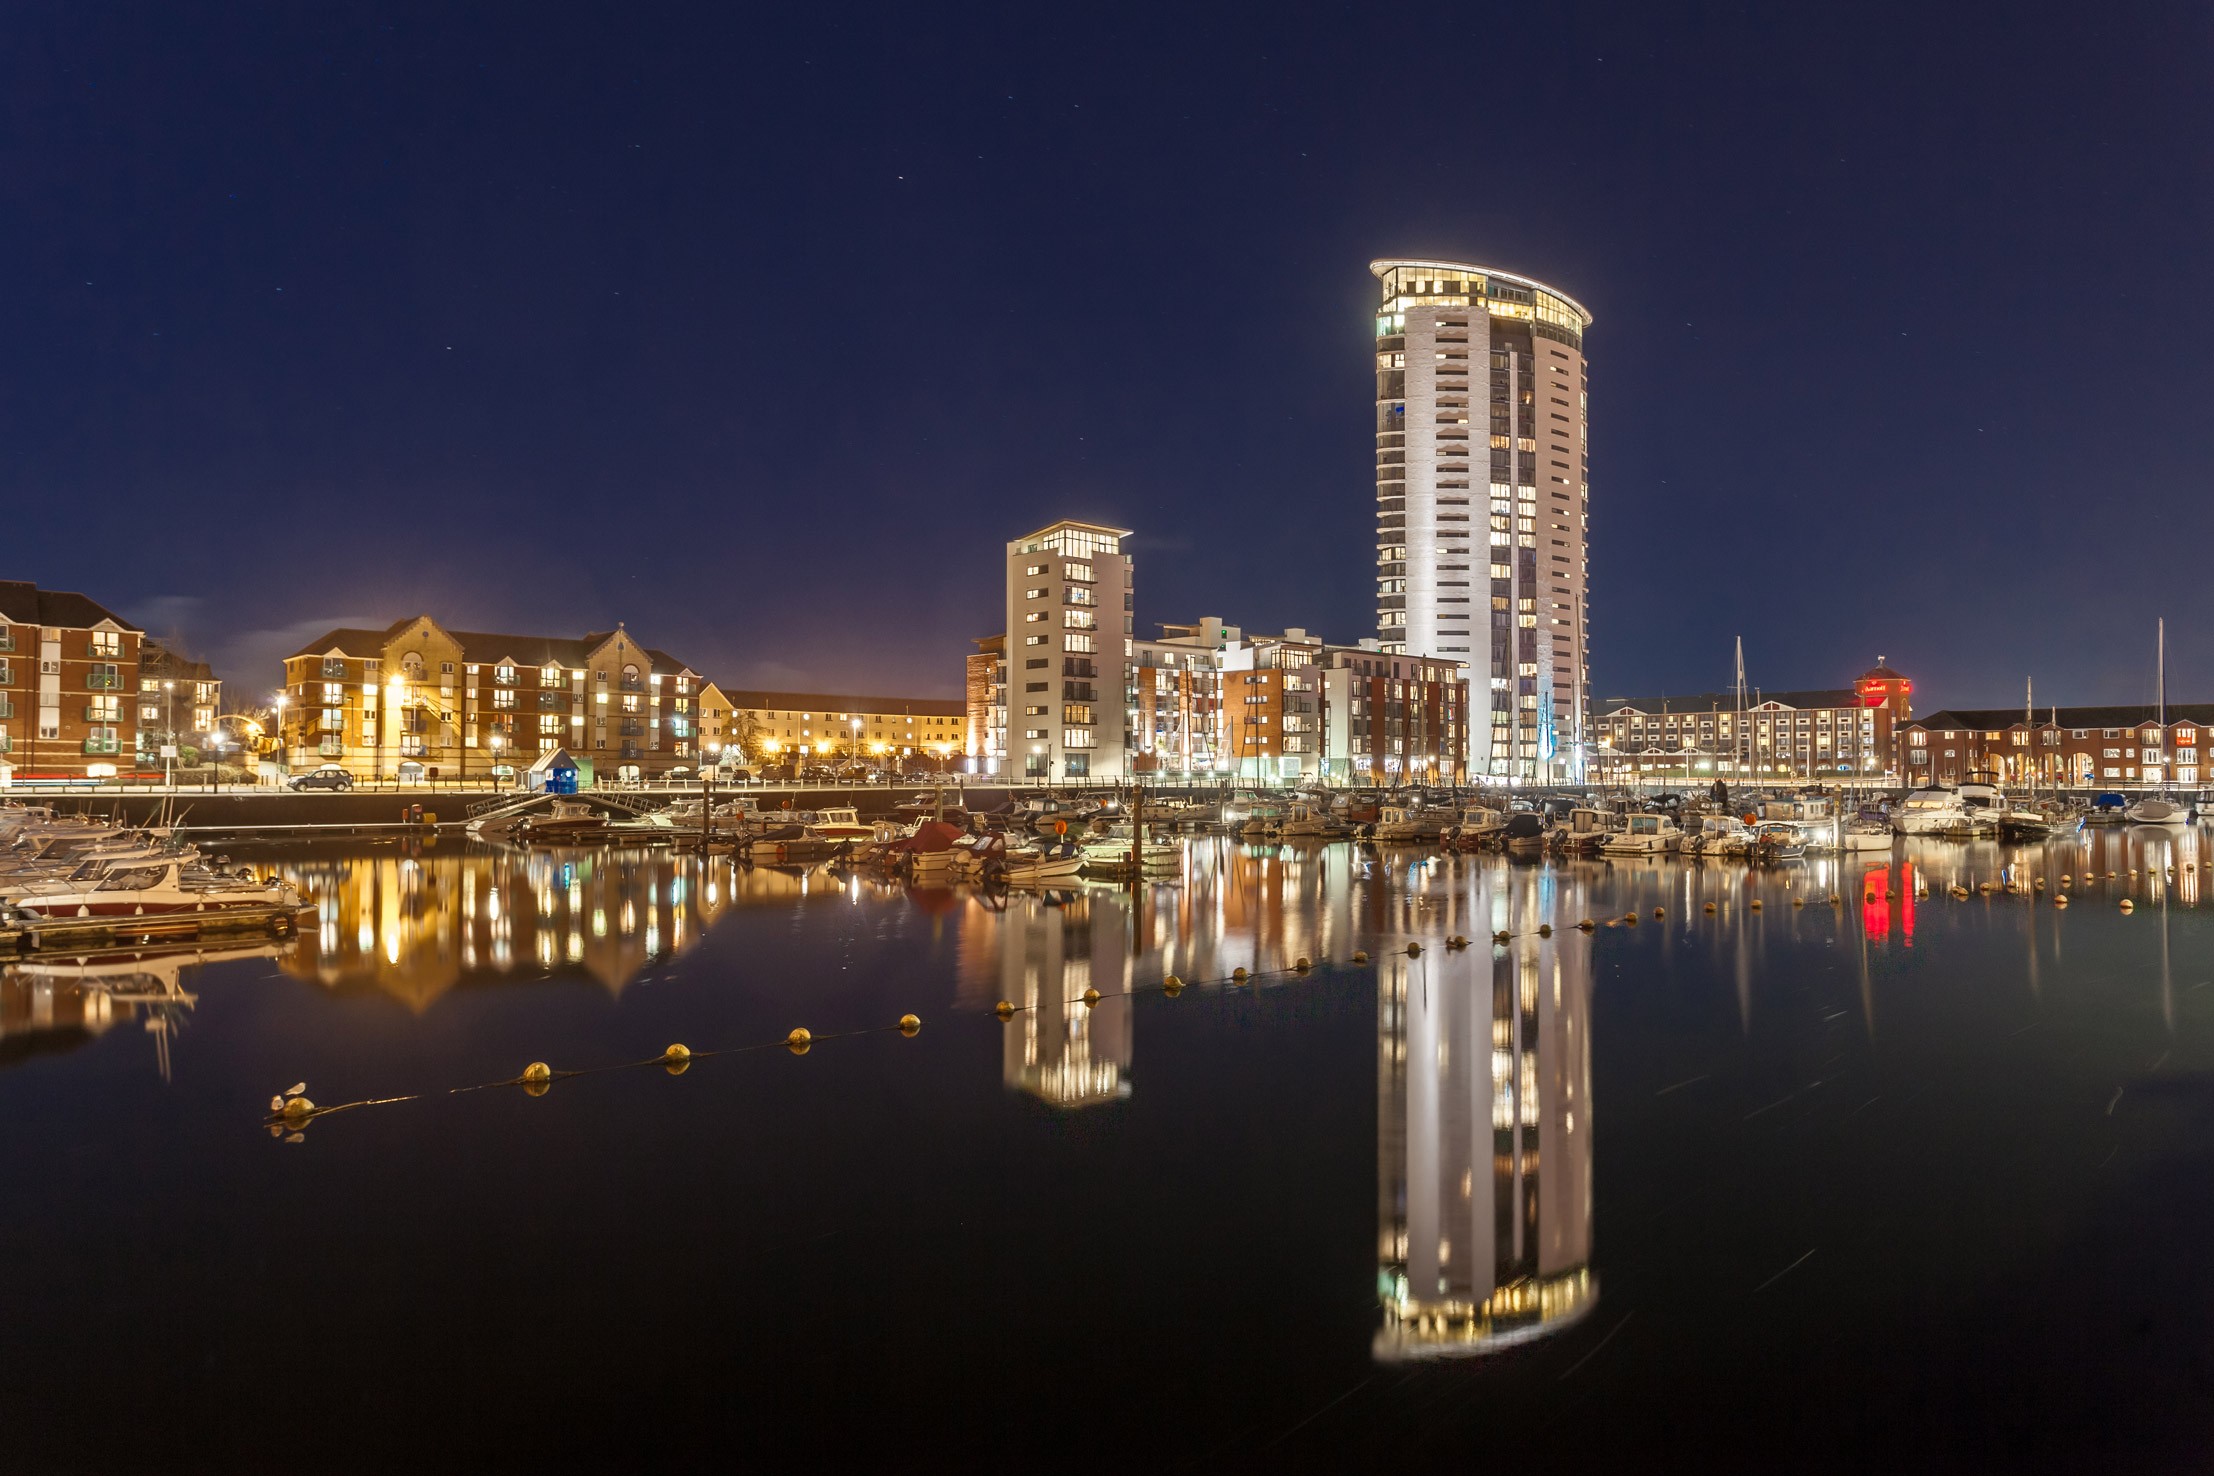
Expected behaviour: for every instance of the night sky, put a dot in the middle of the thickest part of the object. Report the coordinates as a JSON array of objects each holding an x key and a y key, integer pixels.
[{"x": 761, "y": 329}]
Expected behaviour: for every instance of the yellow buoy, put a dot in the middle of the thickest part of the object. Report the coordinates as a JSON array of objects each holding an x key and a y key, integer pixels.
[
  {"x": 798, "y": 1041},
  {"x": 1835, "y": 899},
  {"x": 1091, "y": 998},
  {"x": 2060, "y": 899},
  {"x": 2128, "y": 906},
  {"x": 1586, "y": 926},
  {"x": 1630, "y": 918},
  {"x": 1004, "y": 1010},
  {"x": 1754, "y": 904},
  {"x": 297, "y": 1107},
  {"x": 1414, "y": 950},
  {"x": 538, "y": 1071},
  {"x": 1545, "y": 930},
  {"x": 2065, "y": 878},
  {"x": 1710, "y": 907},
  {"x": 1302, "y": 963},
  {"x": 1502, "y": 936},
  {"x": 909, "y": 1024},
  {"x": 677, "y": 1060},
  {"x": 1172, "y": 986},
  {"x": 1360, "y": 955},
  {"x": 1659, "y": 913},
  {"x": 1238, "y": 974},
  {"x": 1798, "y": 901}
]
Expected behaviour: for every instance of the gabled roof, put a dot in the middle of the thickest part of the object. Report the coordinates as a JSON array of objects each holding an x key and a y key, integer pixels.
[
  {"x": 485, "y": 647},
  {"x": 26, "y": 604},
  {"x": 1999, "y": 719},
  {"x": 1727, "y": 701},
  {"x": 821, "y": 702}
]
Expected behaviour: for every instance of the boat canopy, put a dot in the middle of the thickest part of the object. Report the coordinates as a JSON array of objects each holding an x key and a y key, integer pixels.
[{"x": 2111, "y": 801}]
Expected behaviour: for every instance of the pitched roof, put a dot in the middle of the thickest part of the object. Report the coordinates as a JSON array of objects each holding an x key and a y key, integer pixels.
[
  {"x": 26, "y": 604},
  {"x": 156, "y": 659},
  {"x": 487, "y": 646},
  {"x": 2127, "y": 715},
  {"x": 1727, "y": 701},
  {"x": 820, "y": 702}
]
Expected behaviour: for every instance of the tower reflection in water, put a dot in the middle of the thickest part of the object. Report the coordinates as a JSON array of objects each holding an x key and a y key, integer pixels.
[
  {"x": 1484, "y": 1128},
  {"x": 1051, "y": 949}
]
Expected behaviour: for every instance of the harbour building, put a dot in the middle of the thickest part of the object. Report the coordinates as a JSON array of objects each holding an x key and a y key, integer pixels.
[
  {"x": 417, "y": 701},
  {"x": 1071, "y": 706},
  {"x": 1482, "y": 501},
  {"x": 68, "y": 678}
]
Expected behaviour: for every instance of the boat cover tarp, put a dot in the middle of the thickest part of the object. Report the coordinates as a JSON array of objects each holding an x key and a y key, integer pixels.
[
  {"x": 930, "y": 837},
  {"x": 2111, "y": 801}
]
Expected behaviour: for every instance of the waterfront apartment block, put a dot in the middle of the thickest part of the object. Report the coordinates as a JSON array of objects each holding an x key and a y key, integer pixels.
[
  {"x": 416, "y": 701},
  {"x": 1071, "y": 704},
  {"x": 68, "y": 669},
  {"x": 179, "y": 702},
  {"x": 2125, "y": 746},
  {"x": 814, "y": 727},
  {"x": 1812, "y": 735},
  {"x": 1483, "y": 491},
  {"x": 1391, "y": 718},
  {"x": 1213, "y": 700}
]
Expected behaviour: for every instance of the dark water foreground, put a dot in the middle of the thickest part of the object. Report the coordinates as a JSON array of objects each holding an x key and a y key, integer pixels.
[{"x": 1896, "y": 1184}]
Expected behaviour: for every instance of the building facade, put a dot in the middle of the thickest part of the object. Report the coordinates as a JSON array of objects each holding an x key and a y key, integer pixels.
[
  {"x": 180, "y": 702},
  {"x": 2084, "y": 747},
  {"x": 68, "y": 684},
  {"x": 1071, "y": 700},
  {"x": 1482, "y": 519},
  {"x": 815, "y": 727},
  {"x": 985, "y": 688},
  {"x": 1390, "y": 718},
  {"x": 1830, "y": 734},
  {"x": 416, "y": 701}
]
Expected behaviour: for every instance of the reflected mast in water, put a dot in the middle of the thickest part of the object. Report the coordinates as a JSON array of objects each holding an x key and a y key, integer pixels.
[{"x": 1484, "y": 1129}]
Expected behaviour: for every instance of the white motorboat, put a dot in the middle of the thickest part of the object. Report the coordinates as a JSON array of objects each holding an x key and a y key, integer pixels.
[
  {"x": 1643, "y": 835},
  {"x": 2153, "y": 809},
  {"x": 1865, "y": 834},
  {"x": 1411, "y": 823},
  {"x": 1046, "y": 861},
  {"x": 1934, "y": 811},
  {"x": 154, "y": 887}
]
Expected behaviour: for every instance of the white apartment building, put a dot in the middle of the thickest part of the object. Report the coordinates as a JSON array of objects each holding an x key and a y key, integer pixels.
[
  {"x": 1482, "y": 501},
  {"x": 1071, "y": 700}
]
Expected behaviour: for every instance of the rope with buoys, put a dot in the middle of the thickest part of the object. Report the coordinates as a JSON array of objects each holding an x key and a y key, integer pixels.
[{"x": 290, "y": 1112}]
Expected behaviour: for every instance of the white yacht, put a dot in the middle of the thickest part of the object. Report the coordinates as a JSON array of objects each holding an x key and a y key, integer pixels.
[
  {"x": 1411, "y": 823},
  {"x": 2154, "y": 809},
  {"x": 1929, "y": 812},
  {"x": 1643, "y": 835}
]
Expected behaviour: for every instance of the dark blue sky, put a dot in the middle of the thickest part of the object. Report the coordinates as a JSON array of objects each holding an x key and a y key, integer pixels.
[{"x": 760, "y": 330}]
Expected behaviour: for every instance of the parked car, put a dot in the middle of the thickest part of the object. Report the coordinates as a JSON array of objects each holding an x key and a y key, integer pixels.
[{"x": 330, "y": 776}]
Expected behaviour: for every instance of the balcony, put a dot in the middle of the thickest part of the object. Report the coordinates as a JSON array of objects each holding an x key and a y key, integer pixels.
[
  {"x": 7, "y": 708},
  {"x": 553, "y": 702},
  {"x": 103, "y": 681},
  {"x": 102, "y": 745},
  {"x": 632, "y": 684},
  {"x": 96, "y": 713},
  {"x": 334, "y": 671}
]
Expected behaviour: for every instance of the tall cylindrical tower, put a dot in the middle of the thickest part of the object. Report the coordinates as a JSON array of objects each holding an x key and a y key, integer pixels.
[{"x": 1483, "y": 491}]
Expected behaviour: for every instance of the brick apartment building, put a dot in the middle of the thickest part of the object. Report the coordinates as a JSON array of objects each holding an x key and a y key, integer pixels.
[
  {"x": 1829, "y": 733},
  {"x": 68, "y": 678},
  {"x": 419, "y": 701},
  {"x": 2119, "y": 747},
  {"x": 179, "y": 701},
  {"x": 816, "y": 727}
]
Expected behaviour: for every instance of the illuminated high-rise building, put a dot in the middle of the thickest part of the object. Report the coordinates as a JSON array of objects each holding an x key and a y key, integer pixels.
[
  {"x": 1482, "y": 501},
  {"x": 1071, "y": 704}
]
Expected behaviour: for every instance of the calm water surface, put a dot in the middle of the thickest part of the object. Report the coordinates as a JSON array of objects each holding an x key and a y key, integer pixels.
[{"x": 1909, "y": 1181}]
